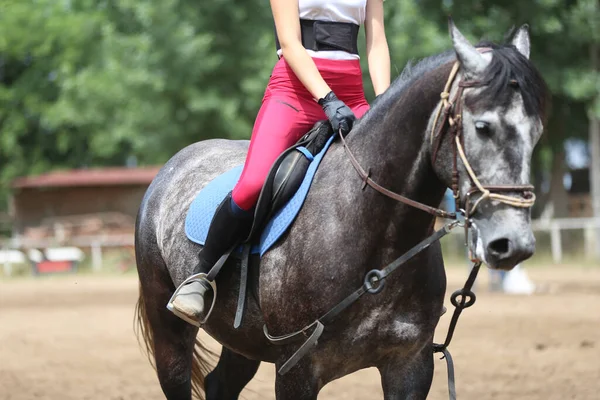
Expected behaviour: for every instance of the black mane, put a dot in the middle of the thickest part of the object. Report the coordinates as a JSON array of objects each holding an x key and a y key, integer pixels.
[
  {"x": 413, "y": 71},
  {"x": 508, "y": 65}
]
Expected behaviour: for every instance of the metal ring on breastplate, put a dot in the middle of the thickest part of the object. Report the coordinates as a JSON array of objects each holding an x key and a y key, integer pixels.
[
  {"x": 469, "y": 298},
  {"x": 374, "y": 281}
]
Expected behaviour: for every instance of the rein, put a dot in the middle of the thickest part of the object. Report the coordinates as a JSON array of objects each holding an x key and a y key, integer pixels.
[
  {"x": 453, "y": 115},
  {"x": 366, "y": 177},
  {"x": 450, "y": 112}
]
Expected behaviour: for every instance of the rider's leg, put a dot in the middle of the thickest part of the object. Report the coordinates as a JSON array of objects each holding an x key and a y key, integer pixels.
[
  {"x": 287, "y": 113},
  {"x": 278, "y": 128},
  {"x": 229, "y": 226},
  {"x": 283, "y": 119}
]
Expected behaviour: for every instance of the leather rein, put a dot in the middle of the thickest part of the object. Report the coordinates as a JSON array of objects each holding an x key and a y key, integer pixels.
[{"x": 449, "y": 113}]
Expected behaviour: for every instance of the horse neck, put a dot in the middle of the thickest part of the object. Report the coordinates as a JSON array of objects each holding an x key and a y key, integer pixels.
[{"x": 393, "y": 142}]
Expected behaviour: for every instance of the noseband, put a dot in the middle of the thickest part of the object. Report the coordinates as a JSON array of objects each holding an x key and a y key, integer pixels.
[{"x": 449, "y": 114}]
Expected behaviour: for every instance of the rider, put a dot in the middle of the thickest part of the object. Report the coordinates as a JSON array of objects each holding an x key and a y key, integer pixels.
[{"x": 318, "y": 75}]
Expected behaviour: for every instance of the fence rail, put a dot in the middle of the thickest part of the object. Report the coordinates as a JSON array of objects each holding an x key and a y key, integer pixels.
[
  {"x": 96, "y": 244},
  {"x": 591, "y": 234}
]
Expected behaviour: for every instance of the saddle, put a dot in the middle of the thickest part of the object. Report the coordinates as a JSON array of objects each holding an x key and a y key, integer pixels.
[
  {"x": 286, "y": 175},
  {"x": 280, "y": 199}
]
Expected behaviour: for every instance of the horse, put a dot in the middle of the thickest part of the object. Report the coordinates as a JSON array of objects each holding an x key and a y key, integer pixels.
[{"x": 345, "y": 229}]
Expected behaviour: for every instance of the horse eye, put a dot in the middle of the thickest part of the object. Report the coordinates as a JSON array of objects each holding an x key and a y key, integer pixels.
[{"x": 483, "y": 128}]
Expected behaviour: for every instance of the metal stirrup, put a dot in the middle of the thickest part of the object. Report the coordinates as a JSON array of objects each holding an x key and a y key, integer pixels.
[
  {"x": 204, "y": 277},
  {"x": 200, "y": 277}
]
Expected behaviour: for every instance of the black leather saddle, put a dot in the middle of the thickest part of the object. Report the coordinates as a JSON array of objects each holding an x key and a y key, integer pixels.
[{"x": 287, "y": 173}]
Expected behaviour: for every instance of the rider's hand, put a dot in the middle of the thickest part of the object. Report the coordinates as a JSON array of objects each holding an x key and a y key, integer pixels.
[{"x": 339, "y": 114}]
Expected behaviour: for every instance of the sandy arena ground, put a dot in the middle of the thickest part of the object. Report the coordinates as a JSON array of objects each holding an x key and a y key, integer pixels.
[{"x": 71, "y": 337}]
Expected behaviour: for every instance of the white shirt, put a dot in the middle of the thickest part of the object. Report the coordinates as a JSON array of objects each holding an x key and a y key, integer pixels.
[{"x": 353, "y": 11}]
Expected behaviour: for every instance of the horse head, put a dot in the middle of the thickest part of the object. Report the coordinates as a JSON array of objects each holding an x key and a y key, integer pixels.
[{"x": 491, "y": 117}]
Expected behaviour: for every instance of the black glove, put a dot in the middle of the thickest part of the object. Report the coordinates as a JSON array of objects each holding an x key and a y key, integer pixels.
[{"x": 339, "y": 114}]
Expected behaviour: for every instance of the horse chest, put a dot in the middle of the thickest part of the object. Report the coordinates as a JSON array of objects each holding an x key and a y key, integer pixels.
[{"x": 385, "y": 324}]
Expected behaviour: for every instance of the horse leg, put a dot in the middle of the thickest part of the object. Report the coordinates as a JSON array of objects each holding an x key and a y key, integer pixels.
[
  {"x": 231, "y": 374},
  {"x": 408, "y": 380},
  {"x": 299, "y": 383},
  {"x": 168, "y": 339},
  {"x": 173, "y": 346}
]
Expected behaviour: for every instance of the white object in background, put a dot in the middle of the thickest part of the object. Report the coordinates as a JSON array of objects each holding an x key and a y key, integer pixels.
[
  {"x": 12, "y": 257},
  {"x": 516, "y": 281},
  {"x": 64, "y": 254},
  {"x": 35, "y": 255}
]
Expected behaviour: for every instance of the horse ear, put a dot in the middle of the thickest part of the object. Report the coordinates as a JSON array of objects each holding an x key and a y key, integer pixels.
[
  {"x": 467, "y": 54},
  {"x": 521, "y": 40}
]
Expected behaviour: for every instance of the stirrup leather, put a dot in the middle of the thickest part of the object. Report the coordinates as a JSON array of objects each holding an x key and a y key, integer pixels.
[{"x": 196, "y": 277}]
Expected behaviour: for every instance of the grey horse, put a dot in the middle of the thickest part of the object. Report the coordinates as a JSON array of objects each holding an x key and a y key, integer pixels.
[{"x": 345, "y": 230}]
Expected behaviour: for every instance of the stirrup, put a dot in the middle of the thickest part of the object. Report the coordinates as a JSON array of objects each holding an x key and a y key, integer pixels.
[{"x": 196, "y": 277}]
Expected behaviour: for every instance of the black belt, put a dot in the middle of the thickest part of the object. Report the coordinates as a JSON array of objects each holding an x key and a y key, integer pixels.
[{"x": 327, "y": 36}]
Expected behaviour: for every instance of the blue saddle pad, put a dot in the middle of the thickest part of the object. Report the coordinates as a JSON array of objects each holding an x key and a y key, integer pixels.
[{"x": 205, "y": 204}]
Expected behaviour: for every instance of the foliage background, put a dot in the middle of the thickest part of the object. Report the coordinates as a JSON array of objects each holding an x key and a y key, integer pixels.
[{"x": 88, "y": 83}]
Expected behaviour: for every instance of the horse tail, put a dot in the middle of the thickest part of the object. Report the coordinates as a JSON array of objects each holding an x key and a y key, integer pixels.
[
  {"x": 200, "y": 366},
  {"x": 142, "y": 328}
]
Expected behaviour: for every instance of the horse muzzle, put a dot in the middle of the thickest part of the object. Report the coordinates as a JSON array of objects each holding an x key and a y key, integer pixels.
[
  {"x": 505, "y": 252},
  {"x": 503, "y": 245}
]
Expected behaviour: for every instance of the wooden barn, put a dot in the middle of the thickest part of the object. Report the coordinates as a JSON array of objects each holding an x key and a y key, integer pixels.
[{"x": 75, "y": 203}]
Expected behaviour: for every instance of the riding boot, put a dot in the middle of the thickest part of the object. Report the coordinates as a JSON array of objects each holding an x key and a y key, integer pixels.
[{"x": 228, "y": 228}]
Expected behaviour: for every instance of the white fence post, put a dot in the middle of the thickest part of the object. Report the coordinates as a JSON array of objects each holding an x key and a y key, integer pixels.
[
  {"x": 96, "y": 256},
  {"x": 589, "y": 238},
  {"x": 7, "y": 264},
  {"x": 556, "y": 243},
  {"x": 7, "y": 268}
]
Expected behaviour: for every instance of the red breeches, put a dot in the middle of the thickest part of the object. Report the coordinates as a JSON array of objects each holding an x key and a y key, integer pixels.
[{"x": 288, "y": 111}]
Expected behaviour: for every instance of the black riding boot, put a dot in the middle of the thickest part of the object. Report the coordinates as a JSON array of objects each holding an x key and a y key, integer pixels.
[{"x": 228, "y": 228}]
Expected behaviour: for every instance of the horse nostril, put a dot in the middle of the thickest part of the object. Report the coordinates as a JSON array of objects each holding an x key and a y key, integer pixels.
[{"x": 499, "y": 246}]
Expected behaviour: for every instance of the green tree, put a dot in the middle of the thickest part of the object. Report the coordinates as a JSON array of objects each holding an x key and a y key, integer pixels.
[
  {"x": 96, "y": 82},
  {"x": 87, "y": 83}
]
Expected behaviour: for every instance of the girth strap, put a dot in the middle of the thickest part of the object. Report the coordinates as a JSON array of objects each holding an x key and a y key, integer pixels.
[{"x": 241, "y": 306}]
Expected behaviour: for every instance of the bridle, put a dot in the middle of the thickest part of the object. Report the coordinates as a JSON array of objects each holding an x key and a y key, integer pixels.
[
  {"x": 449, "y": 114},
  {"x": 452, "y": 113}
]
